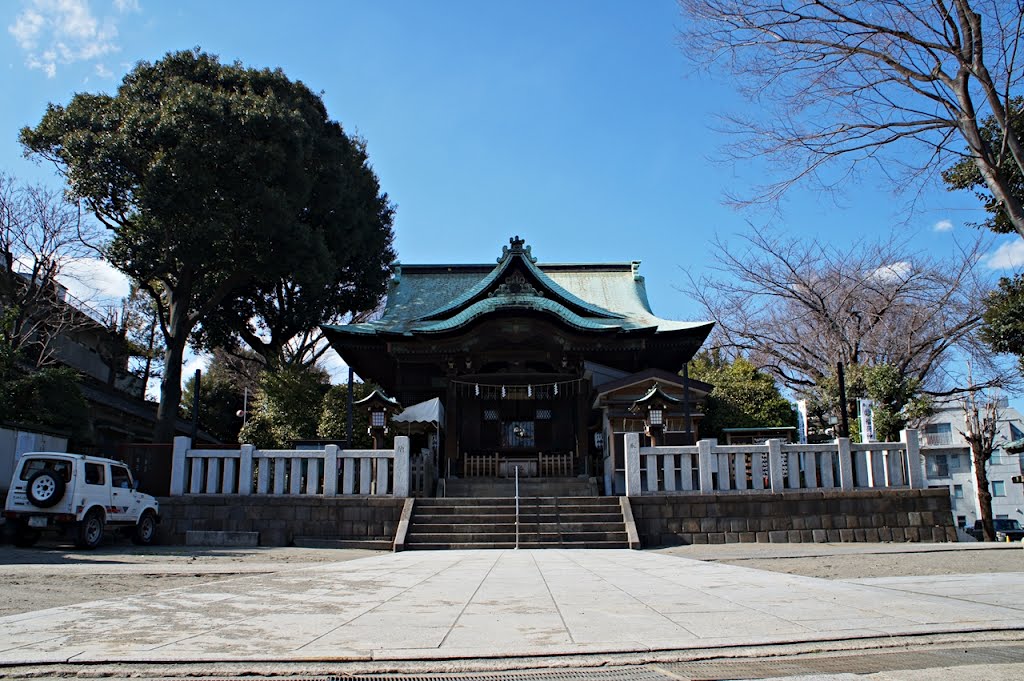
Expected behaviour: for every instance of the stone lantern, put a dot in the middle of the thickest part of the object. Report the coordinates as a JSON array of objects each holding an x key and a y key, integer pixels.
[
  {"x": 654, "y": 407},
  {"x": 380, "y": 408}
]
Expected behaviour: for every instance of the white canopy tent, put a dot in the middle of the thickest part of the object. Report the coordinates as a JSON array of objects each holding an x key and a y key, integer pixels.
[{"x": 422, "y": 415}]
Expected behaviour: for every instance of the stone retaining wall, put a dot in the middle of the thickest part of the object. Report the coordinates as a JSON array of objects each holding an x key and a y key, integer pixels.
[
  {"x": 280, "y": 519},
  {"x": 791, "y": 517}
]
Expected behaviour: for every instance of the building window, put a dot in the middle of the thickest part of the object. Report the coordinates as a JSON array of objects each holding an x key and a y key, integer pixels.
[
  {"x": 961, "y": 521},
  {"x": 1016, "y": 433},
  {"x": 996, "y": 458},
  {"x": 954, "y": 462},
  {"x": 938, "y": 467},
  {"x": 958, "y": 491},
  {"x": 938, "y": 434},
  {"x": 998, "y": 488}
]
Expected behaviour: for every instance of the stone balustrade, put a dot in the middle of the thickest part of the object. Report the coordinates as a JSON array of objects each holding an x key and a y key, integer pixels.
[
  {"x": 294, "y": 472},
  {"x": 775, "y": 466}
]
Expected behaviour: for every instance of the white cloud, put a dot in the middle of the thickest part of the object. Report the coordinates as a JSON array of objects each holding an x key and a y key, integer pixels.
[
  {"x": 59, "y": 32},
  {"x": 95, "y": 282},
  {"x": 1009, "y": 255},
  {"x": 943, "y": 226},
  {"x": 103, "y": 72},
  {"x": 193, "y": 362},
  {"x": 895, "y": 271}
]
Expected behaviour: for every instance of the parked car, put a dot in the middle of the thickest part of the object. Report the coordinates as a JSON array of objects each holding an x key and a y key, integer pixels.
[
  {"x": 1006, "y": 528},
  {"x": 79, "y": 496}
]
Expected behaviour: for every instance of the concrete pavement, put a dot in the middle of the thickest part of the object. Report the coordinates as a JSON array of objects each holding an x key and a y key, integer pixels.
[{"x": 487, "y": 604}]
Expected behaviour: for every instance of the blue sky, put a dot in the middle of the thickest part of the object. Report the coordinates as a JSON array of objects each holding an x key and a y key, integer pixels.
[{"x": 577, "y": 125}]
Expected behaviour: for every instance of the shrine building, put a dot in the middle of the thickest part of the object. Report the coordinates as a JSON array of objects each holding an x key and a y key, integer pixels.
[{"x": 538, "y": 366}]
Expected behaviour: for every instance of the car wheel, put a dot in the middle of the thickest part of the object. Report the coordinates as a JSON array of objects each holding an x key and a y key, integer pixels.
[
  {"x": 145, "y": 531},
  {"x": 45, "y": 488},
  {"x": 25, "y": 537},
  {"x": 90, "y": 530}
]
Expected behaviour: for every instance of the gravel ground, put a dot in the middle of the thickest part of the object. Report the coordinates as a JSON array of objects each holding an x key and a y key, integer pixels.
[{"x": 50, "y": 575}]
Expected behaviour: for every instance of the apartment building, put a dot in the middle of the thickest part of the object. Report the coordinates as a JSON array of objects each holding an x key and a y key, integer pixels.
[{"x": 948, "y": 464}]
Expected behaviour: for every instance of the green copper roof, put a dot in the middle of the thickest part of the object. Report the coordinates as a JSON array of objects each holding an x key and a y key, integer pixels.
[
  {"x": 594, "y": 297},
  {"x": 510, "y": 302},
  {"x": 520, "y": 255}
]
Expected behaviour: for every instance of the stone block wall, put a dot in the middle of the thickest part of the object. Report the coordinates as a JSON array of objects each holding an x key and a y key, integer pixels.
[
  {"x": 280, "y": 519},
  {"x": 792, "y": 517}
]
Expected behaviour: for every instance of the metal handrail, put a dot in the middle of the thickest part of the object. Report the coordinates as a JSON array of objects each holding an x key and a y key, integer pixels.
[{"x": 517, "y": 507}]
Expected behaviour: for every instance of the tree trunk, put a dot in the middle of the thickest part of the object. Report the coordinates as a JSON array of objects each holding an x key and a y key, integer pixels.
[
  {"x": 984, "y": 495},
  {"x": 170, "y": 391},
  {"x": 178, "y": 328}
]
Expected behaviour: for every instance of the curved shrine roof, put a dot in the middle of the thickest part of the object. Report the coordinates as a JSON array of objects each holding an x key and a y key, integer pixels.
[{"x": 428, "y": 299}]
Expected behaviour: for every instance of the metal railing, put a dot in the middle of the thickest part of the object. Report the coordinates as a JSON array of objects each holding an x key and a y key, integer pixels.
[{"x": 517, "y": 507}]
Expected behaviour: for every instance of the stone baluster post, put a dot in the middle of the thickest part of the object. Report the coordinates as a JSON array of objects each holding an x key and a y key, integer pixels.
[
  {"x": 401, "y": 466},
  {"x": 179, "y": 463},
  {"x": 633, "y": 465}
]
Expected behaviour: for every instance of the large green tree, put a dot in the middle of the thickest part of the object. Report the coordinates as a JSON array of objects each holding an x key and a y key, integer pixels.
[
  {"x": 743, "y": 396},
  {"x": 213, "y": 179}
]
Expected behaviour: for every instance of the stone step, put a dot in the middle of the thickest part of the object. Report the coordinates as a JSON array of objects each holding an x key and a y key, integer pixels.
[
  {"x": 575, "y": 522},
  {"x": 451, "y": 546},
  {"x": 548, "y": 527},
  {"x": 379, "y": 544},
  {"x": 484, "y": 502},
  {"x": 419, "y": 538},
  {"x": 508, "y": 515},
  {"x": 548, "y": 487},
  {"x": 497, "y": 518}
]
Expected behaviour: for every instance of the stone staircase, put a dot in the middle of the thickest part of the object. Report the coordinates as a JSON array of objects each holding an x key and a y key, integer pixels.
[
  {"x": 544, "y": 522},
  {"x": 528, "y": 487}
]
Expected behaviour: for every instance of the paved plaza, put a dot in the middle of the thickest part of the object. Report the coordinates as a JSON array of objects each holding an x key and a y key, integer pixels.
[{"x": 486, "y": 604}]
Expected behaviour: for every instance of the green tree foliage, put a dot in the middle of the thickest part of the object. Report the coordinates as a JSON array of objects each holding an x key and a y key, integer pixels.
[
  {"x": 898, "y": 399},
  {"x": 1003, "y": 325},
  {"x": 287, "y": 406},
  {"x": 47, "y": 398},
  {"x": 217, "y": 181},
  {"x": 743, "y": 396},
  {"x": 334, "y": 416},
  {"x": 965, "y": 174}
]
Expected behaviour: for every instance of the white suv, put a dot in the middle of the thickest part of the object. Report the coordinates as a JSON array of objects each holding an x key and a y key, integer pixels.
[{"x": 78, "y": 495}]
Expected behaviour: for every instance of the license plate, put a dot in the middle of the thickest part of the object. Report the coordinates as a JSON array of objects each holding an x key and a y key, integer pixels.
[{"x": 37, "y": 521}]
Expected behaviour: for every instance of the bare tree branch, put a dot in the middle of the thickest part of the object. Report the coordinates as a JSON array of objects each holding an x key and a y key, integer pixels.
[
  {"x": 796, "y": 307},
  {"x": 848, "y": 82}
]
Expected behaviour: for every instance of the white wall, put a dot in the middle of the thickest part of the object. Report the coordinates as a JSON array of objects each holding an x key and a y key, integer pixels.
[{"x": 14, "y": 443}]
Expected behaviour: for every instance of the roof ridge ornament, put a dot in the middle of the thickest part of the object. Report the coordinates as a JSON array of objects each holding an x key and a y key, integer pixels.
[
  {"x": 519, "y": 247},
  {"x": 515, "y": 284}
]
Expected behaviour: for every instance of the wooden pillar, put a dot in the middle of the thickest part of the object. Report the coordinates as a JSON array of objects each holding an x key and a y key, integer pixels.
[
  {"x": 582, "y": 435},
  {"x": 451, "y": 439}
]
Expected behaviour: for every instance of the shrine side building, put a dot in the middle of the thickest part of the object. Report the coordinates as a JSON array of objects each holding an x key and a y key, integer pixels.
[{"x": 540, "y": 366}]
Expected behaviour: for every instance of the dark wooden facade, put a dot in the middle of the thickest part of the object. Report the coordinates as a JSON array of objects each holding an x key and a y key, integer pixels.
[{"x": 517, "y": 352}]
